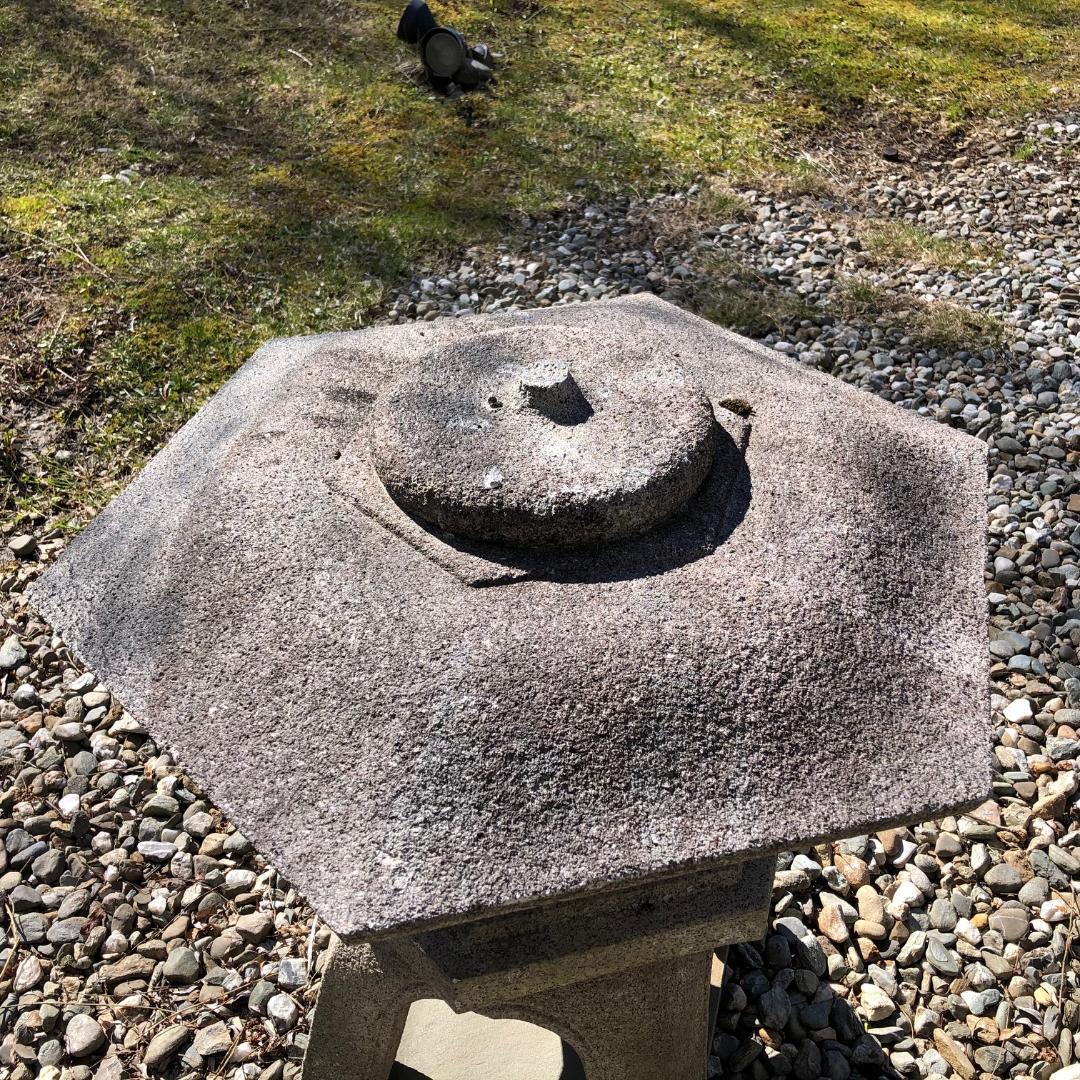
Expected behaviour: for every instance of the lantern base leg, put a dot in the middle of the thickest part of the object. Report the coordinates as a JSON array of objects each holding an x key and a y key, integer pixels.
[
  {"x": 360, "y": 1015},
  {"x": 643, "y": 1023}
]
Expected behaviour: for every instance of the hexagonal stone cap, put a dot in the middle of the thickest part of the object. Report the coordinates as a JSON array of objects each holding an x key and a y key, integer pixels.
[{"x": 797, "y": 653}]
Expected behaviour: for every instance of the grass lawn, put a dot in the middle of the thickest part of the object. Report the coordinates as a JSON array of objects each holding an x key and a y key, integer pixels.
[{"x": 278, "y": 169}]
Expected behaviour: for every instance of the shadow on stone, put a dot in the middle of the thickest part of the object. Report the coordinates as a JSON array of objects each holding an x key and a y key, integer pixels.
[
  {"x": 696, "y": 532},
  {"x": 571, "y": 1069},
  {"x": 711, "y": 517}
]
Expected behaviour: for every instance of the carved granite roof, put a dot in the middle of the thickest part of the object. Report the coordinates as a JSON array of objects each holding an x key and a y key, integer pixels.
[{"x": 417, "y": 728}]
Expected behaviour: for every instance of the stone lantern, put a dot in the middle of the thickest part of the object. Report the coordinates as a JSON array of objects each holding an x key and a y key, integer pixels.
[{"x": 522, "y": 644}]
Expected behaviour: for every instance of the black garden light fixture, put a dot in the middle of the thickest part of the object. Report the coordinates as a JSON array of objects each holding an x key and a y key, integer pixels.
[{"x": 448, "y": 59}]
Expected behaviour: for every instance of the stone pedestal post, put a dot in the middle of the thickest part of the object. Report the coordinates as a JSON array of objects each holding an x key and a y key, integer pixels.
[
  {"x": 623, "y": 979},
  {"x": 644, "y": 1023}
]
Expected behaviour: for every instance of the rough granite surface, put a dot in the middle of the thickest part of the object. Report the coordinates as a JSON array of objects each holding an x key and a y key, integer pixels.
[
  {"x": 534, "y": 436},
  {"x": 411, "y": 751}
]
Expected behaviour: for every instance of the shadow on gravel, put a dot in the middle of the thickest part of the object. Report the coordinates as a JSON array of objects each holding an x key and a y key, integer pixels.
[{"x": 776, "y": 1001}]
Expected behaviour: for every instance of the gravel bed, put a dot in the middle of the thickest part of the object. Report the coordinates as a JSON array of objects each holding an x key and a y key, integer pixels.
[{"x": 142, "y": 935}]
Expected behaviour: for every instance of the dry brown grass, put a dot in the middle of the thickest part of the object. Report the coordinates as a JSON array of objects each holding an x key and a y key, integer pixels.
[{"x": 899, "y": 242}]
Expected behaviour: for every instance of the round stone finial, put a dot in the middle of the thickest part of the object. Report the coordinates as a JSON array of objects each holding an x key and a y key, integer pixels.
[{"x": 538, "y": 440}]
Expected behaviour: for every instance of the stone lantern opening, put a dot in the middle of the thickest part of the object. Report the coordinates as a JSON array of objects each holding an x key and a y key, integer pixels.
[{"x": 503, "y": 1049}]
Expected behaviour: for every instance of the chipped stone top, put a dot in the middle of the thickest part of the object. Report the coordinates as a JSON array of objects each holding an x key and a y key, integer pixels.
[
  {"x": 498, "y": 439},
  {"x": 798, "y": 653}
]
